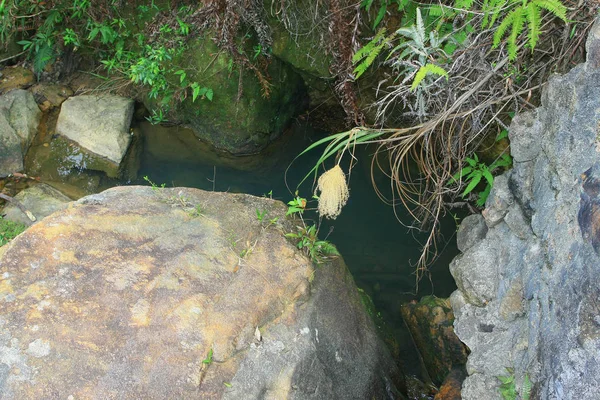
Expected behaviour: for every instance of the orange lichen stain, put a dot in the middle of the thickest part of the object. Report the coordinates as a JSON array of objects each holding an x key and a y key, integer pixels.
[
  {"x": 35, "y": 291},
  {"x": 51, "y": 232},
  {"x": 67, "y": 257},
  {"x": 88, "y": 345},
  {"x": 5, "y": 287},
  {"x": 139, "y": 313},
  {"x": 189, "y": 312}
]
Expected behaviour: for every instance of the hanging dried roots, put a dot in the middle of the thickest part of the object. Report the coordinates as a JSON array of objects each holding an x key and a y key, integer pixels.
[{"x": 334, "y": 192}]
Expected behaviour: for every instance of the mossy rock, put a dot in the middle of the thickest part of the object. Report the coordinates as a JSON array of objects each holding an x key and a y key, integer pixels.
[
  {"x": 430, "y": 322},
  {"x": 238, "y": 124}
]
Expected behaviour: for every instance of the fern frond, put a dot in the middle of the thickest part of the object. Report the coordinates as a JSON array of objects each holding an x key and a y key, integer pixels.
[
  {"x": 436, "y": 10},
  {"x": 495, "y": 10},
  {"x": 502, "y": 28},
  {"x": 517, "y": 28},
  {"x": 464, "y": 4},
  {"x": 42, "y": 57},
  {"x": 425, "y": 70},
  {"x": 365, "y": 56},
  {"x": 534, "y": 23},
  {"x": 420, "y": 30},
  {"x": 556, "y": 7},
  {"x": 367, "y": 48}
]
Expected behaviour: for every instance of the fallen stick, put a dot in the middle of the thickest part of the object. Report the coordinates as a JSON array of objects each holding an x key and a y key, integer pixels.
[{"x": 19, "y": 206}]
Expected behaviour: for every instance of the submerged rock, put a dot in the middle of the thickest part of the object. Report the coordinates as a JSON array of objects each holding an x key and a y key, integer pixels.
[
  {"x": 430, "y": 324},
  {"x": 99, "y": 124},
  {"x": 19, "y": 119},
  {"x": 179, "y": 293},
  {"x": 529, "y": 288},
  {"x": 41, "y": 200}
]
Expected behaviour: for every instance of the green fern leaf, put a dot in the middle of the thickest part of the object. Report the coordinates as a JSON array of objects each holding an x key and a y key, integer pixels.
[
  {"x": 42, "y": 57},
  {"x": 502, "y": 28},
  {"x": 425, "y": 70},
  {"x": 556, "y": 7},
  {"x": 380, "y": 15},
  {"x": 517, "y": 28},
  {"x": 534, "y": 23},
  {"x": 436, "y": 10},
  {"x": 366, "y": 49},
  {"x": 464, "y": 4},
  {"x": 495, "y": 8}
]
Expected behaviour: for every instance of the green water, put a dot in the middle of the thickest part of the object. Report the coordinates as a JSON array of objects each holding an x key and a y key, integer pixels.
[{"x": 379, "y": 250}]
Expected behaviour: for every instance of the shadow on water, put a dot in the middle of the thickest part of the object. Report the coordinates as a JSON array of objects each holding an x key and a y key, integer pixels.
[{"x": 379, "y": 250}]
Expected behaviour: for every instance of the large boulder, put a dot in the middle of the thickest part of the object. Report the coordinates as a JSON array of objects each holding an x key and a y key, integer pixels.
[
  {"x": 19, "y": 119},
  {"x": 41, "y": 200},
  {"x": 529, "y": 282},
  {"x": 99, "y": 124},
  {"x": 242, "y": 118},
  {"x": 142, "y": 292}
]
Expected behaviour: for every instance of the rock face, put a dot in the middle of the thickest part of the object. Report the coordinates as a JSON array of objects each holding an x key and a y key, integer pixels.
[
  {"x": 41, "y": 200},
  {"x": 99, "y": 124},
  {"x": 179, "y": 293},
  {"x": 19, "y": 119},
  {"x": 529, "y": 288}
]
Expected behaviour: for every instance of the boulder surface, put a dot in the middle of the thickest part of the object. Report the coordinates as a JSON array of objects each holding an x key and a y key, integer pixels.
[
  {"x": 41, "y": 200},
  {"x": 529, "y": 284},
  {"x": 19, "y": 119},
  {"x": 99, "y": 124},
  {"x": 179, "y": 293}
]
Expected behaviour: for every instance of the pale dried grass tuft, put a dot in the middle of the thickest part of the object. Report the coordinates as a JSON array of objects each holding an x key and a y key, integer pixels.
[{"x": 334, "y": 192}]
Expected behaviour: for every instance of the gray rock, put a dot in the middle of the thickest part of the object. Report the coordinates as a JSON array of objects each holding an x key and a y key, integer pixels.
[
  {"x": 524, "y": 134},
  {"x": 99, "y": 124},
  {"x": 498, "y": 202},
  {"x": 41, "y": 200},
  {"x": 19, "y": 119},
  {"x": 472, "y": 230},
  {"x": 537, "y": 311}
]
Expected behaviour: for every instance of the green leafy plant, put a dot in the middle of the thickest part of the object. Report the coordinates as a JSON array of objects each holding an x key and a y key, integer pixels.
[
  {"x": 155, "y": 187},
  {"x": 209, "y": 358},
  {"x": 475, "y": 171},
  {"x": 508, "y": 389},
  {"x": 307, "y": 239},
  {"x": 260, "y": 215},
  {"x": 9, "y": 230},
  {"x": 513, "y": 23}
]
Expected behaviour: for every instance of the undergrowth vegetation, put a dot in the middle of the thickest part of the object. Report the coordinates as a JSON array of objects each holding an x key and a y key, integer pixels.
[
  {"x": 9, "y": 230},
  {"x": 138, "y": 45},
  {"x": 442, "y": 76},
  {"x": 447, "y": 76}
]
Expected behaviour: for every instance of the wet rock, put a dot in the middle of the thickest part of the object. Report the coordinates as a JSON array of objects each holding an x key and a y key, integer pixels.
[
  {"x": 19, "y": 119},
  {"x": 540, "y": 255},
  {"x": 430, "y": 324},
  {"x": 41, "y": 200},
  {"x": 125, "y": 293},
  {"x": 451, "y": 388},
  {"x": 99, "y": 124},
  {"x": 16, "y": 78},
  {"x": 53, "y": 94}
]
